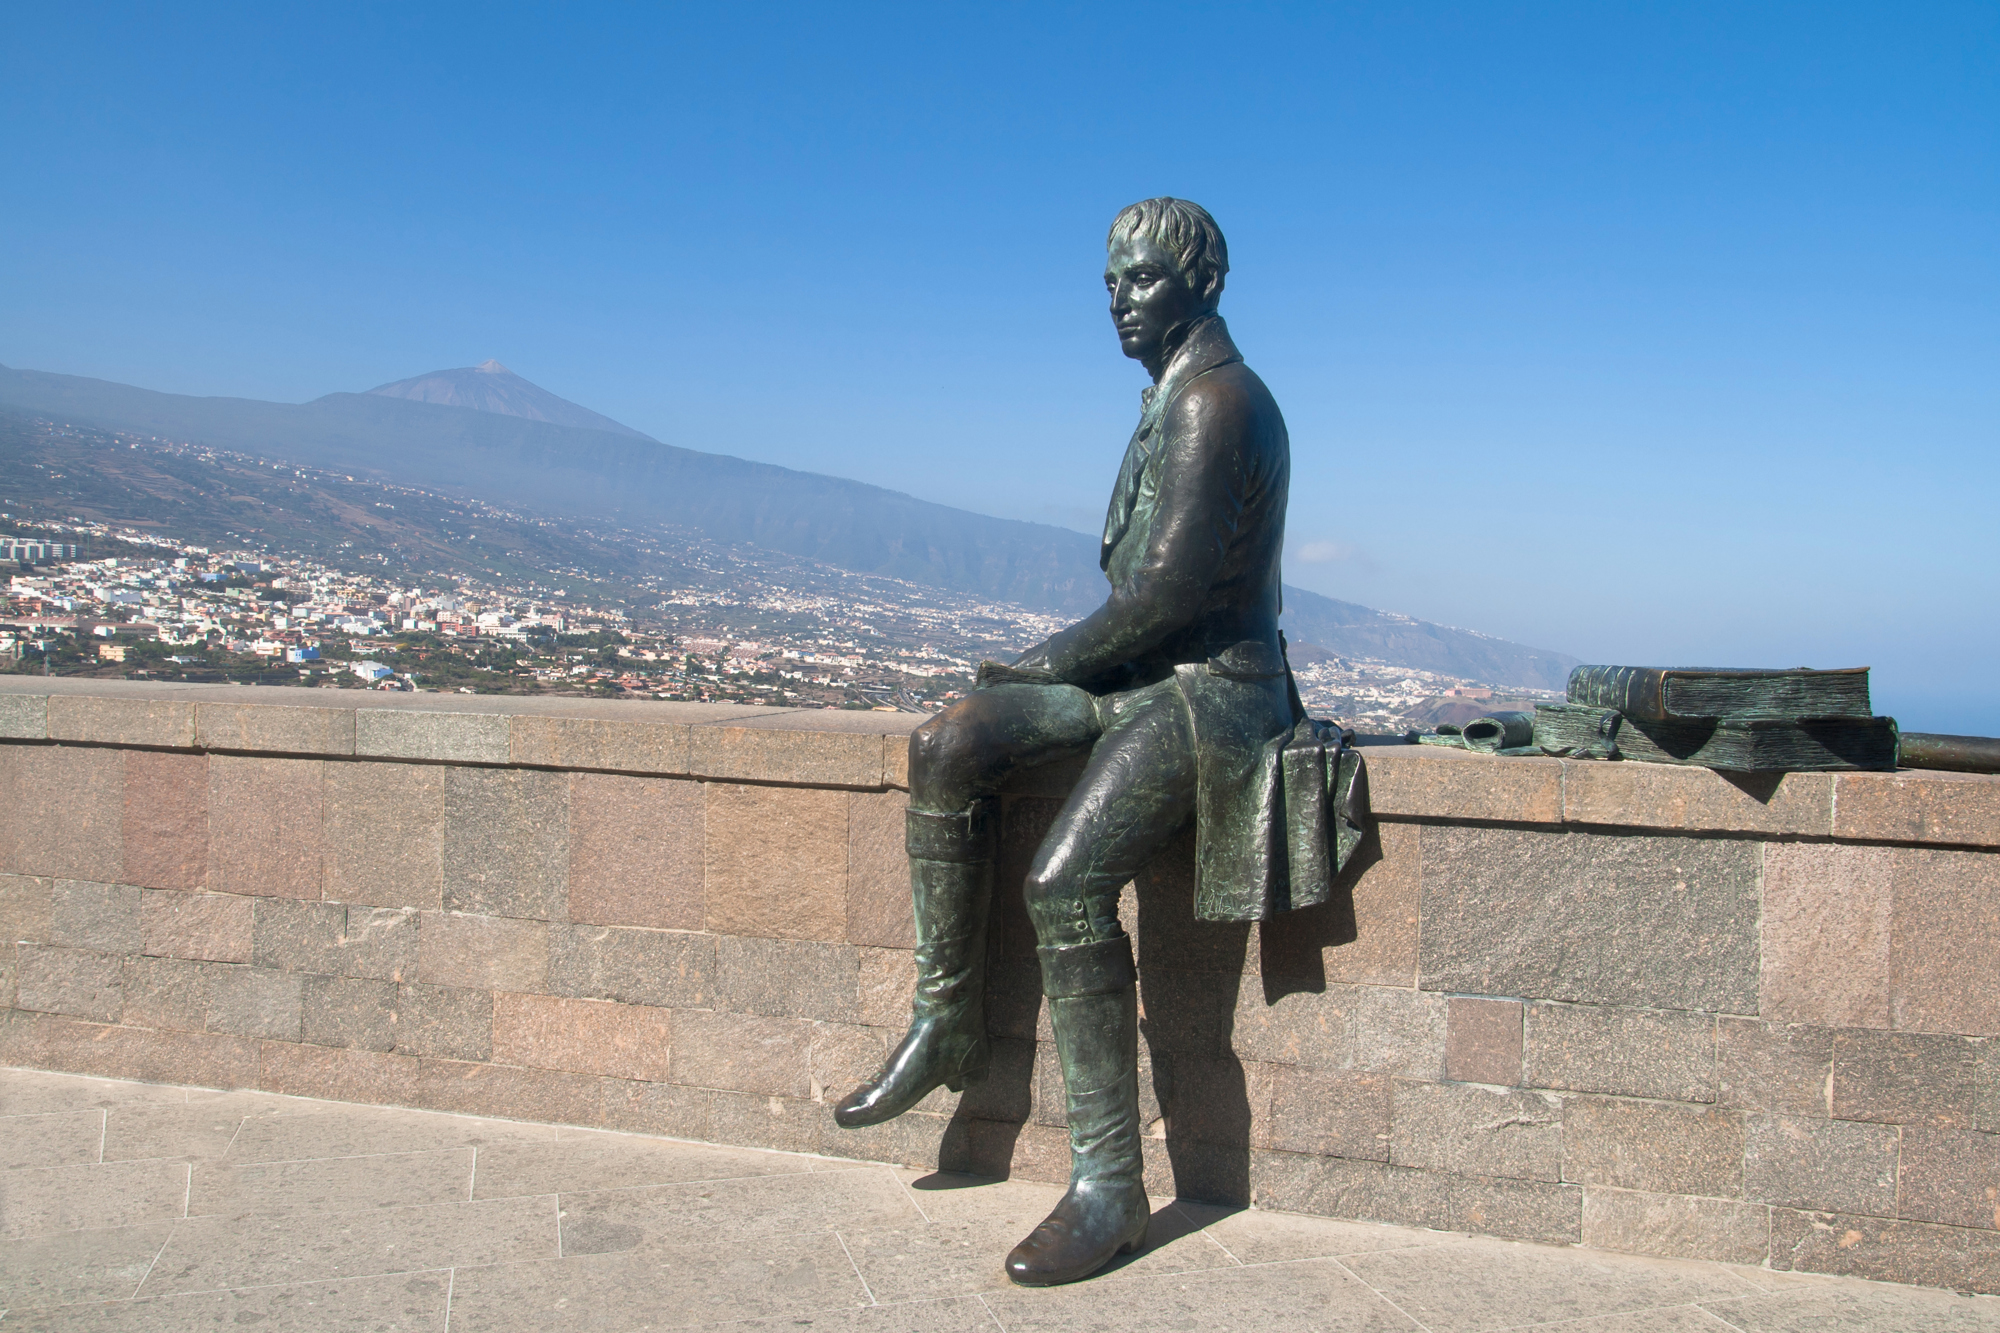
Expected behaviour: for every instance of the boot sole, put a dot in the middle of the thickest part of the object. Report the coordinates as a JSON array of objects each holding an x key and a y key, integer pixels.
[{"x": 1132, "y": 1246}]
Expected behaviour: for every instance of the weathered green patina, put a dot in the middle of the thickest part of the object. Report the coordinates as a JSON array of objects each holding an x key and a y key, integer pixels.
[{"x": 1177, "y": 694}]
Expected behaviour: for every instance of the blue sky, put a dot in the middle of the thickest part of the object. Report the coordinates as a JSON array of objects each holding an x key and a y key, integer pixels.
[{"x": 1651, "y": 333}]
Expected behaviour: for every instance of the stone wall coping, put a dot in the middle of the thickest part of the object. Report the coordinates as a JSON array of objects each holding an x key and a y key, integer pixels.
[{"x": 869, "y": 751}]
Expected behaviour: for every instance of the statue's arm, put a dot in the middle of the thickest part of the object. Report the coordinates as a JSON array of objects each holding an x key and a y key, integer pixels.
[{"x": 1205, "y": 478}]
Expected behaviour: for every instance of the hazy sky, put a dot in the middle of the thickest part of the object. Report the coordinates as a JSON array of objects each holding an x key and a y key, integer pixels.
[{"x": 1651, "y": 333}]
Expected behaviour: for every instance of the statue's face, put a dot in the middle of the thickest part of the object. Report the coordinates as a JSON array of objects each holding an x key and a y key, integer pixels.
[{"x": 1148, "y": 296}]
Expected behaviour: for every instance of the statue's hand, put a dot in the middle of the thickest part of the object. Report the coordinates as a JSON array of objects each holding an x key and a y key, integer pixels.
[
  {"x": 1035, "y": 659},
  {"x": 1030, "y": 668}
]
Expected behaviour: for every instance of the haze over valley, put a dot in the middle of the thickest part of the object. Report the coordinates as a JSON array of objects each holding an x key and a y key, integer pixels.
[{"x": 716, "y": 577}]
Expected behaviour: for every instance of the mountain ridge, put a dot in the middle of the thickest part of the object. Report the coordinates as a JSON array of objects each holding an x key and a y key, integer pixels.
[{"x": 557, "y": 469}]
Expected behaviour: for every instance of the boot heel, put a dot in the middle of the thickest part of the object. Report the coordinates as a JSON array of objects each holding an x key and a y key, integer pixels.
[{"x": 1137, "y": 1243}]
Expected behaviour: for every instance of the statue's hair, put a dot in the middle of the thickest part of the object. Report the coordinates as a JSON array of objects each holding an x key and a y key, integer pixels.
[{"x": 1182, "y": 227}]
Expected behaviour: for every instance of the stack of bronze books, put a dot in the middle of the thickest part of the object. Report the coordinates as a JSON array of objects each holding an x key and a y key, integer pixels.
[{"x": 1739, "y": 721}]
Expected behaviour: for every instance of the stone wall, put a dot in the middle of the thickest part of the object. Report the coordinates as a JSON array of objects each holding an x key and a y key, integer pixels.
[{"x": 1622, "y": 1005}]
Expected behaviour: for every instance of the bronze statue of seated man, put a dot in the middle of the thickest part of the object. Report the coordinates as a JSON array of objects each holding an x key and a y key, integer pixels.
[{"x": 1177, "y": 691}]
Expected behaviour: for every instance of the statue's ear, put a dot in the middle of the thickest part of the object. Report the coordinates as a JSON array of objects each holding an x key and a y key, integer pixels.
[{"x": 1211, "y": 292}]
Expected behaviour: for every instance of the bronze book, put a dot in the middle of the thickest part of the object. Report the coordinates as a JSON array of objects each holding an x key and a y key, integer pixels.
[
  {"x": 1661, "y": 694},
  {"x": 1757, "y": 745}
]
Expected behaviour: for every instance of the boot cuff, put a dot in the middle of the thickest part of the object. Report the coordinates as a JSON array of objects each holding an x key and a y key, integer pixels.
[
  {"x": 966, "y": 835},
  {"x": 1102, "y": 967}
]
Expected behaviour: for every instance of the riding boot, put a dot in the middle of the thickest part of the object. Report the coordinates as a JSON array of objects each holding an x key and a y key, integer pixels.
[
  {"x": 951, "y": 883},
  {"x": 1093, "y": 1006}
]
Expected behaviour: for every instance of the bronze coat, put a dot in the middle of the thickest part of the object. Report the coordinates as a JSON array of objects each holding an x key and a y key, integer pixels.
[{"x": 1192, "y": 547}]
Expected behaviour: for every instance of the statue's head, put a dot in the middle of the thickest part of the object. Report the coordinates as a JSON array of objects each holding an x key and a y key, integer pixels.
[{"x": 1164, "y": 266}]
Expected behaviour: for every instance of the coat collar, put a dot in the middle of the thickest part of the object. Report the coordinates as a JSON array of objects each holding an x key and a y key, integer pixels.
[{"x": 1204, "y": 346}]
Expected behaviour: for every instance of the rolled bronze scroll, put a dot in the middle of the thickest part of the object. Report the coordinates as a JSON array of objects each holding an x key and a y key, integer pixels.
[{"x": 1957, "y": 754}]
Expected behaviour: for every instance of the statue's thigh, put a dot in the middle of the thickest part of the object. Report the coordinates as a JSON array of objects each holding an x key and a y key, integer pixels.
[
  {"x": 1135, "y": 793},
  {"x": 970, "y": 748}
]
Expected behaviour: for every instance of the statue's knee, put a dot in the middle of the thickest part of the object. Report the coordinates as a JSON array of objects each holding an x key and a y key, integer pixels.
[
  {"x": 1059, "y": 914},
  {"x": 945, "y": 756}
]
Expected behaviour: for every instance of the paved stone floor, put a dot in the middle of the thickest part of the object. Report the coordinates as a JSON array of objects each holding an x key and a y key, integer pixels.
[{"x": 139, "y": 1207}]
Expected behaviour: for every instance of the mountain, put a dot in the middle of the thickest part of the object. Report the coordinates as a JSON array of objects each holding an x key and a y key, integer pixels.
[
  {"x": 1349, "y": 630},
  {"x": 554, "y": 468},
  {"x": 491, "y": 387}
]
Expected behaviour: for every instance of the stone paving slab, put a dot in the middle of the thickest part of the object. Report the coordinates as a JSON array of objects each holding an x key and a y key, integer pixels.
[{"x": 140, "y": 1207}]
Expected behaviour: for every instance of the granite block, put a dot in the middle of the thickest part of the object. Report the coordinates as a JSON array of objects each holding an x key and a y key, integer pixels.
[
  {"x": 1446, "y": 784},
  {"x": 255, "y": 1002},
  {"x": 1688, "y": 799},
  {"x": 1372, "y": 1191},
  {"x": 332, "y": 939},
  {"x": 385, "y": 834},
  {"x": 878, "y": 871},
  {"x": 582, "y": 1036},
  {"x": 1944, "y": 938},
  {"x": 888, "y": 982},
  {"x": 211, "y": 926},
  {"x": 1386, "y": 899},
  {"x": 1870, "y": 1247},
  {"x": 616, "y": 744},
  {"x": 1224, "y": 1103},
  {"x": 788, "y": 978},
  {"x": 288, "y": 728},
  {"x": 347, "y": 1075},
  {"x": 1948, "y": 1175},
  {"x": 842, "y": 1056},
  {"x": 165, "y": 993},
  {"x": 896, "y": 762},
  {"x": 1835, "y": 1165},
  {"x": 743, "y": 1053},
  {"x": 1826, "y": 934},
  {"x": 1778, "y": 1067},
  {"x": 166, "y": 820},
  {"x": 795, "y": 1124},
  {"x": 796, "y": 758},
  {"x": 665, "y": 1109},
  {"x": 453, "y": 738},
  {"x": 635, "y": 852},
  {"x": 75, "y": 982},
  {"x": 1659, "y": 1147},
  {"x": 675, "y": 969},
  {"x": 100, "y": 721},
  {"x": 350, "y": 1012},
  {"x": 482, "y": 952},
  {"x": 1482, "y": 1041},
  {"x": 445, "y": 1022},
  {"x": 1376, "y": 1028},
  {"x": 1676, "y": 1226},
  {"x": 26, "y": 908},
  {"x": 297, "y": 936},
  {"x": 548, "y": 1095},
  {"x": 1475, "y": 1131},
  {"x": 1932, "y": 807},
  {"x": 1906, "y": 1078},
  {"x": 1334, "y": 1113},
  {"x": 49, "y": 1041},
  {"x": 1662, "y": 923},
  {"x": 776, "y": 862},
  {"x": 1986, "y": 1088},
  {"x": 506, "y": 843},
  {"x": 104, "y": 917},
  {"x": 265, "y": 826},
  {"x": 24, "y": 717},
  {"x": 62, "y": 812},
  {"x": 1629, "y": 1052}
]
